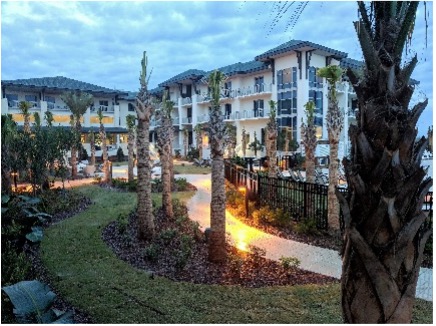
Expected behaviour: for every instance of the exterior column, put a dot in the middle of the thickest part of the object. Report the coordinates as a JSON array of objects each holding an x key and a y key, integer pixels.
[
  {"x": 43, "y": 105},
  {"x": 5, "y": 107},
  {"x": 87, "y": 118},
  {"x": 116, "y": 115}
]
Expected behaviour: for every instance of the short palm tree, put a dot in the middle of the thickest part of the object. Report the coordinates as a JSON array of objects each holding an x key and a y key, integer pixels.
[
  {"x": 271, "y": 141},
  {"x": 308, "y": 131},
  {"x": 144, "y": 110},
  {"x": 78, "y": 103},
  {"x": 106, "y": 164},
  {"x": 25, "y": 111},
  {"x": 130, "y": 123},
  {"x": 198, "y": 139},
  {"x": 335, "y": 121},
  {"x": 165, "y": 148}
]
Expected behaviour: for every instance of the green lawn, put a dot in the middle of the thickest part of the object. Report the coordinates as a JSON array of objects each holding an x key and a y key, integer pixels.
[{"x": 87, "y": 274}]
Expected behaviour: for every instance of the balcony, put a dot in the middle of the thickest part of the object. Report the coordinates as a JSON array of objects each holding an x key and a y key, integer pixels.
[
  {"x": 15, "y": 104},
  {"x": 186, "y": 101},
  {"x": 176, "y": 121},
  {"x": 255, "y": 114},
  {"x": 203, "y": 118},
  {"x": 104, "y": 109},
  {"x": 187, "y": 120},
  {"x": 248, "y": 91}
]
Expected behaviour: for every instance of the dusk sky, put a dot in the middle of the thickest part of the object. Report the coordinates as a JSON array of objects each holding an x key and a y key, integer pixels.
[{"x": 102, "y": 42}]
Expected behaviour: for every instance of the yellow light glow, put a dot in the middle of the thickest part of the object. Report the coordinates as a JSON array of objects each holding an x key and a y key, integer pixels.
[{"x": 242, "y": 189}]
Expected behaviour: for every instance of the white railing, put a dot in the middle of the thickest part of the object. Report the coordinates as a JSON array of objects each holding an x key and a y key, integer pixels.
[
  {"x": 186, "y": 100},
  {"x": 176, "y": 121},
  {"x": 203, "y": 118},
  {"x": 187, "y": 120},
  {"x": 15, "y": 104},
  {"x": 255, "y": 114}
]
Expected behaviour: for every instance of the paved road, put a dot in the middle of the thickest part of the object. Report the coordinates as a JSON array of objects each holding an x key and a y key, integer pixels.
[{"x": 314, "y": 259}]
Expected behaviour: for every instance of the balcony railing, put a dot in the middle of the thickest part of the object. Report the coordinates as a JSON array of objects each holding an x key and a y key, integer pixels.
[
  {"x": 15, "y": 104},
  {"x": 176, "y": 121},
  {"x": 186, "y": 100},
  {"x": 254, "y": 114},
  {"x": 187, "y": 120},
  {"x": 203, "y": 118},
  {"x": 104, "y": 108}
]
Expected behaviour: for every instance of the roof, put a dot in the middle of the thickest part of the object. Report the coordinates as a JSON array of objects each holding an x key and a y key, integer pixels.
[
  {"x": 241, "y": 68},
  {"x": 60, "y": 83},
  {"x": 188, "y": 74},
  {"x": 293, "y": 45},
  {"x": 351, "y": 63}
]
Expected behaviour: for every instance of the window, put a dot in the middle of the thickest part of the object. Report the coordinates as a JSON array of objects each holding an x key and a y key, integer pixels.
[
  {"x": 262, "y": 136},
  {"x": 130, "y": 107},
  {"x": 30, "y": 98},
  {"x": 49, "y": 99},
  {"x": 227, "y": 111},
  {"x": 287, "y": 78},
  {"x": 259, "y": 85},
  {"x": 258, "y": 108},
  {"x": 12, "y": 100},
  {"x": 106, "y": 103},
  {"x": 314, "y": 80}
]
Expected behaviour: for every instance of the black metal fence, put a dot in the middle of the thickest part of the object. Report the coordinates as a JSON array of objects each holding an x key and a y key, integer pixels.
[{"x": 302, "y": 200}]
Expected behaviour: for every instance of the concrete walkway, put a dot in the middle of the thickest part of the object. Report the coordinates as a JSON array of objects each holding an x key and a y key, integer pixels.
[{"x": 314, "y": 259}]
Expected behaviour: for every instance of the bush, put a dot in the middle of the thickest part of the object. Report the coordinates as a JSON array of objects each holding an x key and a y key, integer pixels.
[
  {"x": 181, "y": 184},
  {"x": 177, "y": 154},
  {"x": 193, "y": 153},
  {"x": 166, "y": 236},
  {"x": 289, "y": 263},
  {"x": 120, "y": 154},
  {"x": 306, "y": 226},
  {"x": 83, "y": 154},
  {"x": 151, "y": 253}
]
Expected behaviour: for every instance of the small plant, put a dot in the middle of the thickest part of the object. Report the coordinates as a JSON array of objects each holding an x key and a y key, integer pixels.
[
  {"x": 306, "y": 226},
  {"x": 166, "y": 236},
  {"x": 122, "y": 223},
  {"x": 177, "y": 154},
  {"x": 181, "y": 184},
  {"x": 151, "y": 253},
  {"x": 289, "y": 263},
  {"x": 32, "y": 302},
  {"x": 257, "y": 254}
]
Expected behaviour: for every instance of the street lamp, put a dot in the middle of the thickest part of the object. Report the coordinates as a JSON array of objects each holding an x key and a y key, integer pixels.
[{"x": 243, "y": 190}]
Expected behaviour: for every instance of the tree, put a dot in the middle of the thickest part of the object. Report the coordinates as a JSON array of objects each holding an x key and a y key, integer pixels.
[
  {"x": 185, "y": 142},
  {"x": 217, "y": 237},
  {"x": 334, "y": 121},
  {"x": 198, "y": 139},
  {"x": 102, "y": 134},
  {"x": 244, "y": 142},
  {"x": 10, "y": 149},
  {"x": 165, "y": 148},
  {"x": 271, "y": 141},
  {"x": 25, "y": 111},
  {"x": 92, "y": 144},
  {"x": 308, "y": 132},
  {"x": 130, "y": 123},
  {"x": 230, "y": 139},
  {"x": 144, "y": 110},
  {"x": 385, "y": 227},
  {"x": 78, "y": 103},
  {"x": 255, "y": 145}
]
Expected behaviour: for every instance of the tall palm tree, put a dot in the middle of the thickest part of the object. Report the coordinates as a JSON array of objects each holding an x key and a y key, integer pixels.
[
  {"x": 130, "y": 123},
  {"x": 92, "y": 144},
  {"x": 165, "y": 148},
  {"x": 78, "y": 103},
  {"x": 217, "y": 238},
  {"x": 308, "y": 131},
  {"x": 106, "y": 164},
  {"x": 185, "y": 142},
  {"x": 385, "y": 227},
  {"x": 244, "y": 142},
  {"x": 335, "y": 122},
  {"x": 271, "y": 141},
  {"x": 25, "y": 111},
  {"x": 144, "y": 110}
]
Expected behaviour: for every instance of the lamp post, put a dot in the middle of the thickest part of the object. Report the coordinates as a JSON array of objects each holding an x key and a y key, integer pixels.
[{"x": 243, "y": 190}]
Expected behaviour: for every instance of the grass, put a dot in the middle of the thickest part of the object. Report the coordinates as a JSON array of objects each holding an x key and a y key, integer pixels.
[
  {"x": 190, "y": 169},
  {"x": 87, "y": 274}
]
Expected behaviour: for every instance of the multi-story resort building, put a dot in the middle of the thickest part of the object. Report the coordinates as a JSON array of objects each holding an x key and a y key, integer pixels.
[{"x": 285, "y": 74}]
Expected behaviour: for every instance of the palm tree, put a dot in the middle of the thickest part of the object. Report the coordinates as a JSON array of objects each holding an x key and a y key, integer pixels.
[
  {"x": 335, "y": 121},
  {"x": 198, "y": 140},
  {"x": 185, "y": 141},
  {"x": 78, "y": 103},
  {"x": 130, "y": 122},
  {"x": 217, "y": 238},
  {"x": 244, "y": 142},
  {"x": 92, "y": 145},
  {"x": 106, "y": 164},
  {"x": 144, "y": 110},
  {"x": 165, "y": 148},
  {"x": 25, "y": 111},
  {"x": 271, "y": 141},
  {"x": 385, "y": 227},
  {"x": 308, "y": 132},
  {"x": 230, "y": 139}
]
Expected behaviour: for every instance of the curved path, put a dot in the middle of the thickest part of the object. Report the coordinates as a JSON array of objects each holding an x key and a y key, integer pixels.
[{"x": 312, "y": 258}]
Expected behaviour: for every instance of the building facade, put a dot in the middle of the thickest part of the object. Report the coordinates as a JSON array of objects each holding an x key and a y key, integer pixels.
[{"x": 285, "y": 75}]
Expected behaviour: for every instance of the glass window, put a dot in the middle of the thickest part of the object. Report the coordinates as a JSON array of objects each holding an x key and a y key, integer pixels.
[
  {"x": 30, "y": 98},
  {"x": 130, "y": 107},
  {"x": 49, "y": 99}
]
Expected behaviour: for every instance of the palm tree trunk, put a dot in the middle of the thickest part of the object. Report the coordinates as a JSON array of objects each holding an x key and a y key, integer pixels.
[
  {"x": 92, "y": 149},
  {"x": 73, "y": 162},
  {"x": 130, "y": 145},
  {"x": 217, "y": 238},
  {"x": 166, "y": 183},
  {"x": 145, "y": 210},
  {"x": 332, "y": 201}
]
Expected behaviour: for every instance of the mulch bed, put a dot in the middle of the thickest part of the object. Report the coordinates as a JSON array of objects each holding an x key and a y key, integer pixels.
[{"x": 169, "y": 259}]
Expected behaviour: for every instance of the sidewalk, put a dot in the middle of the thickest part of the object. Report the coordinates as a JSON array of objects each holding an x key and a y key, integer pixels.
[{"x": 314, "y": 259}]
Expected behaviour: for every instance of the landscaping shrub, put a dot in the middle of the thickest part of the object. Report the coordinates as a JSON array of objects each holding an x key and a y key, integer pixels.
[
  {"x": 289, "y": 263},
  {"x": 193, "y": 153},
  {"x": 151, "y": 253},
  {"x": 83, "y": 154},
  {"x": 166, "y": 236},
  {"x": 120, "y": 154},
  {"x": 181, "y": 184},
  {"x": 306, "y": 226}
]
